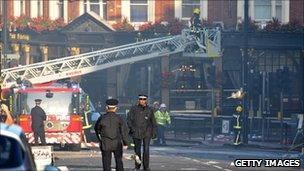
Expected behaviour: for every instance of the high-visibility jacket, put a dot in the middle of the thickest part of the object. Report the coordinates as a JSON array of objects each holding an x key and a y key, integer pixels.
[
  {"x": 162, "y": 118},
  {"x": 5, "y": 111}
]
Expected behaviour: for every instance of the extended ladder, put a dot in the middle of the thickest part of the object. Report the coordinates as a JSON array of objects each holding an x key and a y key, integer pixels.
[{"x": 97, "y": 60}]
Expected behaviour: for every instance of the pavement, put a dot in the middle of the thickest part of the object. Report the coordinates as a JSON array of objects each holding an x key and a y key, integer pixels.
[{"x": 221, "y": 140}]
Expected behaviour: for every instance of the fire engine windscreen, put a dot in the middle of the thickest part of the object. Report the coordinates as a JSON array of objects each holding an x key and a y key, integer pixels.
[{"x": 60, "y": 104}]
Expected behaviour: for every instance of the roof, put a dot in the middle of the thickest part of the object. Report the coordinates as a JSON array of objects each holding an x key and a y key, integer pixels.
[
  {"x": 88, "y": 22},
  {"x": 15, "y": 129}
]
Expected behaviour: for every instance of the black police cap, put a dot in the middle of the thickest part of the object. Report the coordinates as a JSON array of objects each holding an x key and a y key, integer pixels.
[
  {"x": 38, "y": 100},
  {"x": 112, "y": 102}
]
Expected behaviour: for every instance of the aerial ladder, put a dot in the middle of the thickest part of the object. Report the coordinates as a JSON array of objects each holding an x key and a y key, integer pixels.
[{"x": 207, "y": 45}]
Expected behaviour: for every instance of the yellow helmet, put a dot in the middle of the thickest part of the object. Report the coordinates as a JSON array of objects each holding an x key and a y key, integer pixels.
[
  {"x": 196, "y": 11},
  {"x": 239, "y": 109}
]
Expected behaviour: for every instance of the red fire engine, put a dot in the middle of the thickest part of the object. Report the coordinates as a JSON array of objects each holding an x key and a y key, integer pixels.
[{"x": 64, "y": 106}]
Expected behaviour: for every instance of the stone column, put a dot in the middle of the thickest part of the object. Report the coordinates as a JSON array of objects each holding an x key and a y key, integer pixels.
[
  {"x": 26, "y": 50},
  {"x": 44, "y": 51},
  {"x": 165, "y": 84},
  {"x": 16, "y": 48},
  {"x": 112, "y": 82}
]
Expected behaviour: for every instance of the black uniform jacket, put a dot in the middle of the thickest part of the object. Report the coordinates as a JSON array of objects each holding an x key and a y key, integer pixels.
[
  {"x": 110, "y": 130},
  {"x": 38, "y": 116},
  {"x": 141, "y": 122}
]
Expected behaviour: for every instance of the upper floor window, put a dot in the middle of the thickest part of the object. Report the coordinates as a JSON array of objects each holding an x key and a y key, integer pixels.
[
  {"x": 61, "y": 8},
  {"x": 188, "y": 6},
  {"x": 104, "y": 11},
  {"x": 22, "y": 7},
  {"x": 95, "y": 6},
  {"x": 39, "y": 7},
  {"x": 278, "y": 8},
  {"x": 262, "y": 9},
  {"x": 139, "y": 11}
]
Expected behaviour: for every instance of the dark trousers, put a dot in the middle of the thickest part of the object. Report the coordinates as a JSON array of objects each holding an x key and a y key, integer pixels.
[
  {"x": 161, "y": 134},
  {"x": 40, "y": 134},
  {"x": 107, "y": 156},
  {"x": 137, "y": 149}
]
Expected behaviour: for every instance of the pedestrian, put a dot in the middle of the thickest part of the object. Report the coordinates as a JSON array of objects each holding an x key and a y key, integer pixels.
[
  {"x": 155, "y": 106},
  {"x": 38, "y": 118},
  {"x": 5, "y": 114},
  {"x": 162, "y": 118},
  {"x": 112, "y": 133},
  {"x": 142, "y": 125},
  {"x": 99, "y": 107}
]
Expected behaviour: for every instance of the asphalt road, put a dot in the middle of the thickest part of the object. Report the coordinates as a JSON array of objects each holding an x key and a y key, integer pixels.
[{"x": 175, "y": 157}]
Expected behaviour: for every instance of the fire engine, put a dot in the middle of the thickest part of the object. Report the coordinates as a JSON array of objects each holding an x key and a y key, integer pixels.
[
  {"x": 66, "y": 106},
  {"x": 64, "y": 103}
]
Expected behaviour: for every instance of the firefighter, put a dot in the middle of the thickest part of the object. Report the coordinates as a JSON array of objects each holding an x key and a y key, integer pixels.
[
  {"x": 112, "y": 133},
  {"x": 195, "y": 22},
  {"x": 142, "y": 124},
  {"x": 38, "y": 118},
  {"x": 163, "y": 120}
]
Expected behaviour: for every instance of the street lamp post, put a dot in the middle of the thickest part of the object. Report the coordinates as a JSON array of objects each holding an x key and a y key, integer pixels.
[
  {"x": 245, "y": 74},
  {"x": 4, "y": 40},
  {"x": 149, "y": 81}
]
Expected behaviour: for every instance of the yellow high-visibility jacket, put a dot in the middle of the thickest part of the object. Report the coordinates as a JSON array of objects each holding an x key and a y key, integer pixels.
[{"x": 162, "y": 118}]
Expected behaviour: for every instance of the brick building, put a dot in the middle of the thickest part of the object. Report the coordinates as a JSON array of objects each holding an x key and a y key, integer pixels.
[{"x": 227, "y": 12}]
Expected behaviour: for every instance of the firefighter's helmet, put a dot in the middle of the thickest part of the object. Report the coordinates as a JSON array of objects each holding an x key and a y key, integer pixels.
[
  {"x": 239, "y": 109},
  {"x": 196, "y": 11}
]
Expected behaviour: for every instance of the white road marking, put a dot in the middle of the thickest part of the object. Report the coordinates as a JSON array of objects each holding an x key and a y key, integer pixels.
[
  {"x": 209, "y": 163},
  {"x": 188, "y": 169},
  {"x": 227, "y": 170},
  {"x": 63, "y": 168},
  {"x": 219, "y": 167},
  {"x": 212, "y": 162}
]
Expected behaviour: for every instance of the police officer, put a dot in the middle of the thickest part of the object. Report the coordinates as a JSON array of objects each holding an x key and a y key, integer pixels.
[
  {"x": 112, "y": 133},
  {"x": 162, "y": 118},
  {"x": 142, "y": 127},
  {"x": 38, "y": 118}
]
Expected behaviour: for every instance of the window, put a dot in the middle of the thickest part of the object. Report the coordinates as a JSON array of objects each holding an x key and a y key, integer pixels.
[
  {"x": 85, "y": 6},
  {"x": 39, "y": 9},
  {"x": 139, "y": 10},
  {"x": 94, "y": 6},
  {"x": 61, "y": 8},
  {"x": 59, "y": 104},
  {"x": 262, "y": 9},
  {"x": 278, "y": 9},
  {"x": 22, "y": 7},
  {"x": 104, "y": 11},
  {"x": 188, "y": 6},
  {"x": 11, "y": 153}
]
